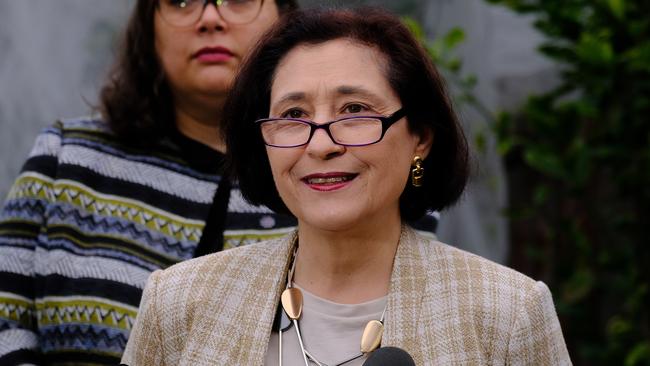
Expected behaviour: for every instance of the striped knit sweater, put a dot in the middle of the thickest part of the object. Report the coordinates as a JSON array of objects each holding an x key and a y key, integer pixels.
[{"x": 86, "y": 222}]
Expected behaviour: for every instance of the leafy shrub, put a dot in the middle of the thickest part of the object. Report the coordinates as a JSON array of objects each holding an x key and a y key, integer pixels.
[{"x": 578, "y": 161}]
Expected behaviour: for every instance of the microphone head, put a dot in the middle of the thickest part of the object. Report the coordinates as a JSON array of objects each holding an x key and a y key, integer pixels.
[{"x": 392, "y": 356}]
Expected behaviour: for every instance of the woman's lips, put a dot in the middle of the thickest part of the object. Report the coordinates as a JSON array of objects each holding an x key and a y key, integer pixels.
[
  {"x": 213, "y": 54},
  {"x": 328, "y": 181}
]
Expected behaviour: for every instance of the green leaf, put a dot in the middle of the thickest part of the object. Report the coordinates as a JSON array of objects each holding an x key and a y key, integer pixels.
[
  {"x": 639, "y": 57},
  {"x": 617, "y": 326},
  {"x": 504, "y": 146},
  {"x": 454, "y": 64},
  {"x": 578, "y": 286},
  {"x": 581, "y": 162},
  {"x": 541, "y": 194},
  {"x": 454, "y": 37},
  {"x": 415, "y": 28},
  {"x": 545, "y": 162},
  {"x": 480, "y": 141},
  {"x": 434, "y": 50},
  {"x": 594, "y": 50},
  {"x": 640, "y": 354},
  {"x": 617, "y": 8},
  {"x": 469, "y": 81},
  {"x": 557, "y": 52}
]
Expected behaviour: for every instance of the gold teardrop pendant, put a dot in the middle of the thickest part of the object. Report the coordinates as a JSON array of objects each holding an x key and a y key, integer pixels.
[
  {"x": 292, "y": 302},
  {"x": 371, "y": 338}
]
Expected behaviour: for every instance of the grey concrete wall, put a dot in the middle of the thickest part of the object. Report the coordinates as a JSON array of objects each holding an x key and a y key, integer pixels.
[
  {"x": 54, "y": 55},
  {"x": 500, "y": 49}
]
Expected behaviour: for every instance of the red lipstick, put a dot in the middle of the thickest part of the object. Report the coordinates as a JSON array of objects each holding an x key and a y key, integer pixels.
[
  {"x": 331, "y": 181},
  {"x": 215, "y": 54}
]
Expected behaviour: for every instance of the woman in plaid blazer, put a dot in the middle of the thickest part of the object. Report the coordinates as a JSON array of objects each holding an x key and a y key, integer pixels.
[{"x": 339, "y": 118}]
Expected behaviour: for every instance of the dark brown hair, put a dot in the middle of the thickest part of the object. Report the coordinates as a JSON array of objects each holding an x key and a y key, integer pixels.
[
  {"x": 136, "y": 100},
  {"x": 410, "y": 73}
]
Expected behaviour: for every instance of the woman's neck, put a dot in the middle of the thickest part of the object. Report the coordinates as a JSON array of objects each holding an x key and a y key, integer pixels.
[
  {"x": 348, "y": 267},
  {"x": 201, "y": 123}
]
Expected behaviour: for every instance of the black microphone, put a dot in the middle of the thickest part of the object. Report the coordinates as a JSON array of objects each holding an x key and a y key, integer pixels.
[{"x": 392, "y": 356}]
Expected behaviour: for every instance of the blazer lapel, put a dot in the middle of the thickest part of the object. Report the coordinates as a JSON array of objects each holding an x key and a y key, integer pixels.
[
  {"x": 267, "y": 313},
  {"x": 246, "y": 293},
  {"x": 407, "y": 288}
]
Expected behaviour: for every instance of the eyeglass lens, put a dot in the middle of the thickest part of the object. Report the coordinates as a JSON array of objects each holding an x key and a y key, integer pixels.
[
  {"x": 352, "y": 131},
  {"x": 184, "y": 13}
]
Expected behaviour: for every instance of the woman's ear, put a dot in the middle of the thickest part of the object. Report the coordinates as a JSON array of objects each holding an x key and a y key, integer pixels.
[{"x": 424, "y": 144}]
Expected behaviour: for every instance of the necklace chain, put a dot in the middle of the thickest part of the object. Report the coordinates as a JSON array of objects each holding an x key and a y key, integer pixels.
[
  {"x": 314, "y": 360},
  {"x": 306, "y": 354}
]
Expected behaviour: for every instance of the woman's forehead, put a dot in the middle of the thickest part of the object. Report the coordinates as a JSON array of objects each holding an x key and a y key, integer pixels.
[{"x": 337, "y": 68}]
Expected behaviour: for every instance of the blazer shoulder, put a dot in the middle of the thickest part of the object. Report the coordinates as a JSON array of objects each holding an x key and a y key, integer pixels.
[
  {"x": 481, "y": 270},
  {"x": 487, "y": 311}
]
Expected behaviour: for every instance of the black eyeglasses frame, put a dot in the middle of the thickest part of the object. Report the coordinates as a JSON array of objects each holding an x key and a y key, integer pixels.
[
  {"x": 386, "y": 122},
  {"x": 217, "y": 5}
]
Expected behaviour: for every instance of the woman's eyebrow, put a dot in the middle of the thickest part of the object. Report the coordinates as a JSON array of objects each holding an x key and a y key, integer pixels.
[
  {"x": 341, "y": 90},
  {"x": 291, "y": 97},
  {"x": 355, "y": 90}
]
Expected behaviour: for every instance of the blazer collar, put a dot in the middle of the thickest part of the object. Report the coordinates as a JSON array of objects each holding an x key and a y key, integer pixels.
[
  {"x": 279, "y": 271},
  {"x": 407, "y": 286}
]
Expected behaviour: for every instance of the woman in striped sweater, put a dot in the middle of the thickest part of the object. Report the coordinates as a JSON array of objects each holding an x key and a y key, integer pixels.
[{"x": 102, "y": 202}]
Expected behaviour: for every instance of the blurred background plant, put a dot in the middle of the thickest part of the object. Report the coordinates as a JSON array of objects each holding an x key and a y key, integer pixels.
[
  {"x": 443, "y": 52},
  {"x": 578, "y": 166},
  {"x": 476, "y": 116}
]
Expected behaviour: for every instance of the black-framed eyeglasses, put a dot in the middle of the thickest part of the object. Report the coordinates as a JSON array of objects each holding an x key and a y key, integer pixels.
[
  {"x": 349, "y": 131},
  {"x": 184, "y": 13}
]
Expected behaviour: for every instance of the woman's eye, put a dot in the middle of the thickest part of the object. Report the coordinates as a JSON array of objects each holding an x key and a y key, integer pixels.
[
  {"x": 184, "y": 4},
  {"x": 355, "y": 108},
  {"x": 178, "y": 3},
  {"x": 293, "y": 113}
]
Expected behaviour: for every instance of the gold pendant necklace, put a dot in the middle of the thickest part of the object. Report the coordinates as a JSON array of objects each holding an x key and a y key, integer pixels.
[{"x": 292, "y": 302}]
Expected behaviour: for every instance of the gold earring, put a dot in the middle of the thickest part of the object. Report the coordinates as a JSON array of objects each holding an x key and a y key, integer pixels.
[{"x": 417, "y": 172}]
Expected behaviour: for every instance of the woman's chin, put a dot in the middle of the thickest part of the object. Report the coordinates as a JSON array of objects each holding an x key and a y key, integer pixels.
[
  {"x": 214, "y": 82},
  {"x": 333, "y": 221},
  {"x": 215, "y": 87}
]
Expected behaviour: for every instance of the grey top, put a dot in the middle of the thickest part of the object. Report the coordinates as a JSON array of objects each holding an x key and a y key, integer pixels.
[{"x": 330, "y": 331}]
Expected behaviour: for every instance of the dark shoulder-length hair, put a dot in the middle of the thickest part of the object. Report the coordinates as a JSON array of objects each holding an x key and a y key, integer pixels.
[
  {"x": 410, "y": 73},
  {"x": 136, "y": 100}
]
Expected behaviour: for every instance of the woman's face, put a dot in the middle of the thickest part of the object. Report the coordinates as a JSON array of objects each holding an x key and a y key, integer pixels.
[
  {"x": 201, "y": 59},
  {"x": 329, "y": 186}
]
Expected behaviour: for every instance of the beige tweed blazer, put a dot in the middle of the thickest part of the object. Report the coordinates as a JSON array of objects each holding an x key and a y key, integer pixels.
[{"x": 445, "y": 307}]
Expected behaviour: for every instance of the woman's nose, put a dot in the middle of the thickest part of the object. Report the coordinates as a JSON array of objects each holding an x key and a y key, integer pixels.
[
  {"x": 211, "y": 20},
  {"x": 322, "y": 146}
]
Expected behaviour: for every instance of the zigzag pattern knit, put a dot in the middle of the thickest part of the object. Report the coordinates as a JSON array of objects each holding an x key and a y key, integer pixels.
[{"x": 86, "y": 222}]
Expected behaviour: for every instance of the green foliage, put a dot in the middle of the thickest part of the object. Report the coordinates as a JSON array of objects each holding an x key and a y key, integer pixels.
[
  {"x": 443, "y": 53},
  {"x": 578, "y": 160},
  {"x": 441, "y": 50}
]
